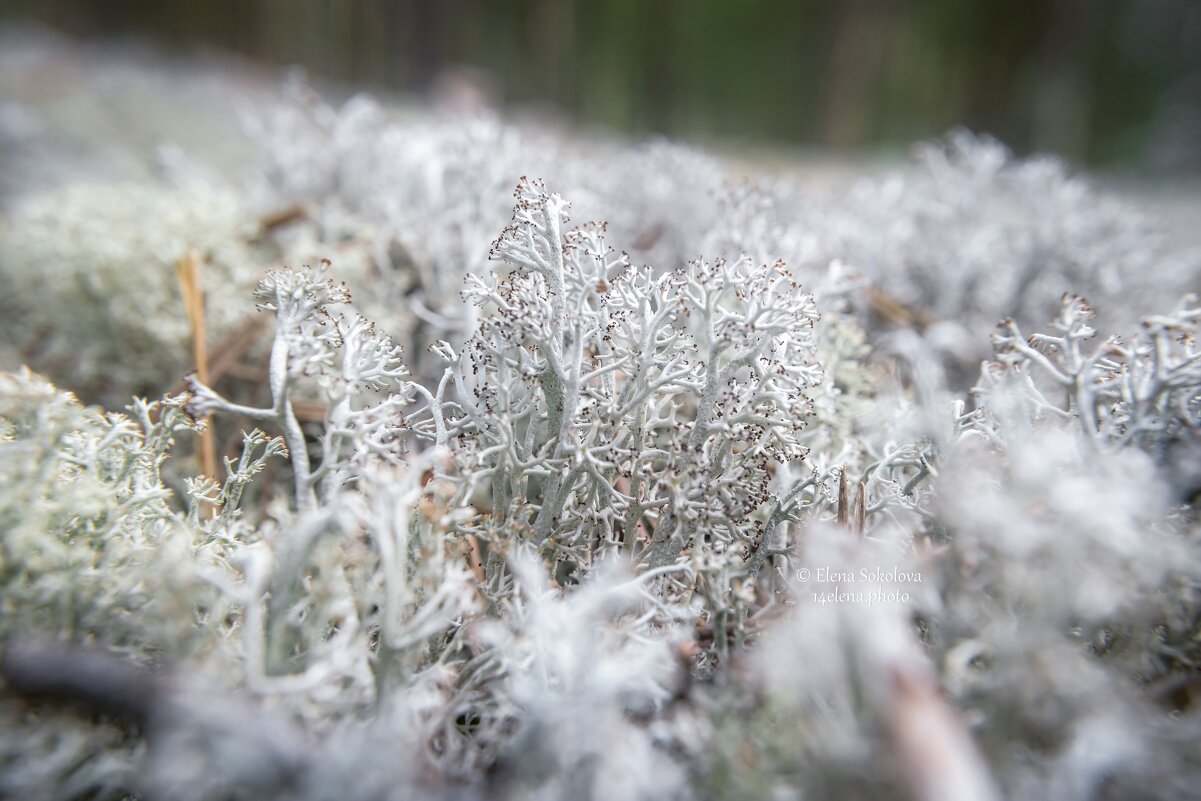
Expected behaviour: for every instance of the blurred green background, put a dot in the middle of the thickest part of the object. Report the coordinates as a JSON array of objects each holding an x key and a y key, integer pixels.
[{"x": 1104, "y": 82}]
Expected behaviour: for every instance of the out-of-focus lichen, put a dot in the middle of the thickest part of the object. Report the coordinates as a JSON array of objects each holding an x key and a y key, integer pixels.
[{"x": 559, "y": 525}]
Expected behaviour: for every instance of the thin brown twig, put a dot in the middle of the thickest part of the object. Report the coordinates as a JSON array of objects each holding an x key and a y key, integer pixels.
[
  {"x": 897, "y": 311},
  {"x": 284, "y": 216},
  {"x": 860, "y": 509},
  {"x": 844, "y": 499},
  {"x": 193, "y": 297}
]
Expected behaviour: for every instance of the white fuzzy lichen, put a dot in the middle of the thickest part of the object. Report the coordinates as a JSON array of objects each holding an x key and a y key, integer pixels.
[{"x": 715, "y": 527}]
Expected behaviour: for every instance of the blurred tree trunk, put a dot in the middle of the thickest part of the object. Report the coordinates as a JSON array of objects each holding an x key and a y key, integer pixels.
[{"x": 856, "y": 54}]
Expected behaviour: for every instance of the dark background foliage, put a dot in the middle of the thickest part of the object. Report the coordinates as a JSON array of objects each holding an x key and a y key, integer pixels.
[{"x": 1104, "y": 82}]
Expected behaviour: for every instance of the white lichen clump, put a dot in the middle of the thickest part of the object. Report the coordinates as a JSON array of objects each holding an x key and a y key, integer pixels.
[{"x": 770, "y": 518}]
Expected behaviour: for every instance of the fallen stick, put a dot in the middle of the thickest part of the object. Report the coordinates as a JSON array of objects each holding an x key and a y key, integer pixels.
[{"x": 188, "y": 269}]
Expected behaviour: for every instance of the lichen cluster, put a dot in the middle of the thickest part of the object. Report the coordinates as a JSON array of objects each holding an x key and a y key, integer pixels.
[{"x": 772, "y": 517}]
